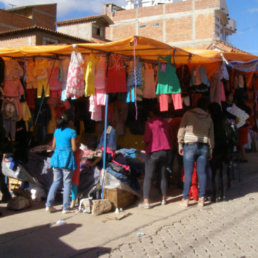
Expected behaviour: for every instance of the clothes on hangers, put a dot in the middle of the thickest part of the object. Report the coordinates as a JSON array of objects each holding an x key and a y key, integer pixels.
[
  {"x": 90, "y": 75},
  {"x": 149, "y": 90},
  {"x": 75, "y": 78},
  {"x": 116, "y": 75},
  {"x": 184, "y": 76},
  {"x": 30, "y": 78},
  {"x": 199, "y": 76},
  {"x": 168, "y": 82},
  {"x": 55, "y": 85},
  {"x": 64, "y": 64},
  {"x": 41, "y": 74},
  {"x": 10, "y": 115}
]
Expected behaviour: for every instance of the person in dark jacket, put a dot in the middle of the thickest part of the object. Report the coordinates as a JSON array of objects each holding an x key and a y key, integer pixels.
[{"x": 220, "y": 151}]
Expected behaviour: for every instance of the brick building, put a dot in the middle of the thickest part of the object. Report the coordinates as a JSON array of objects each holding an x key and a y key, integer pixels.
[
  {"x": 32, "y": 25},
  {"x": 185, "y": 23},
  {"x": 90, "y": 28}
]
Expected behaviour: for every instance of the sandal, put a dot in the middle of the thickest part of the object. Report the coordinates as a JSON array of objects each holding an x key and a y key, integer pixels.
[{"x": 201, "y": 202}]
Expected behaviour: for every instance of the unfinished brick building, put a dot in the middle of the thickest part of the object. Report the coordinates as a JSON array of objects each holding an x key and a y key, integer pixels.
[{"x": 185, "y": 23}]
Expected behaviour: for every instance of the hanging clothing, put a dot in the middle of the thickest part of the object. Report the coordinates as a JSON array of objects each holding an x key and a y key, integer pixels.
[
  {"x": 2, "y": 68},
  {"x": 168, "y": 82},
  {"x": 30, "y": 78},
  {"x": 90, "y": 76},
  {"x": 96, "y": 110},
  {"x": 116, "y": 75},
  {"x": 224, "y": 72},
  {"x": 25, "y": 114},
  {"x": 41, "y": 73},
  {"x": 100, "y": 73},
  {"x": 10, "y": 115},
  {"x": 199, "y": 76},
  {"x": 176, "y": 99},
  {"x": 14, "y": 89},
  {"x": 131, "y": 76},
  {"x": 64, "y": 64},
  {"x": 75, "y": 78},
  {"x": 149, "y": 91},
  {"x": 30, "y": 96},
  {"x": 12, "y": 70},
  {"x": 55, "y": 83},
  {"x": 184, "y": 76}
]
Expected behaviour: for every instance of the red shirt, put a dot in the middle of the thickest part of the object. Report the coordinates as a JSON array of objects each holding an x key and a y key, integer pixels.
[{"x": 157, "y": 135}]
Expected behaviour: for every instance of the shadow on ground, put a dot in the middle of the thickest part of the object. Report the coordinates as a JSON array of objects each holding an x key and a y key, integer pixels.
[{"x": 44, "y": 241}]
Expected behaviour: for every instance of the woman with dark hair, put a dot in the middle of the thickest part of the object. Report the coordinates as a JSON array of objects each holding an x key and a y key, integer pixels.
[
  {"x": 158, "y": 148},
  {"x": 221, "y": 149},
  {"x": 195, "y": 143},
  {"x": 62, "y": 161}
]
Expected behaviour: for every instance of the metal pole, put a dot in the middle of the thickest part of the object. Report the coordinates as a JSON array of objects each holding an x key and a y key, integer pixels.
[{"x": 105, "y": 144}]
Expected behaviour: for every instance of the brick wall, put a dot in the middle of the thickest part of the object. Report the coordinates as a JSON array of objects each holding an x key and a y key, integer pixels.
[
  {"x": 178, "y": 7},
  {"x": 43, "y": 20},
  {"x": 153, "y": 29},
  {"x": 18, "y": 41},
  {"x": 123, "y": 15},
  {"x": 13, "y": 21},
  {"x": 204, "y": 4},
  {"x": 205, "y": 26},
  {"x": 179, "y": 29},
  {"x": 150, "y": 11},
  {"x": 120, "y": 32},
  {"x": 177, "y": 17}
]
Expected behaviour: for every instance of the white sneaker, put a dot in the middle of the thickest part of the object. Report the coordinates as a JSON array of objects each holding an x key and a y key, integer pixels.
[
  {"x": 65, "y": 211},
  {"x": 50, "y": 209},
  {"x": 163, "y": 202},
  {"x": 144, "y": 205}
]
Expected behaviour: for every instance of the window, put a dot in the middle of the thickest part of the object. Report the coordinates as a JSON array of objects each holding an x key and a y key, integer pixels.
[
  {"x": 142, "y": 26},
  {"x": 155, "y": 24},
  {"x": 49, "y": 41},
  {"x": 98, "y": 31}
]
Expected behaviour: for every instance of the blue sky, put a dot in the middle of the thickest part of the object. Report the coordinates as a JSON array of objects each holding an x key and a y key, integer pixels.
[{"x": 245, "y": 12}]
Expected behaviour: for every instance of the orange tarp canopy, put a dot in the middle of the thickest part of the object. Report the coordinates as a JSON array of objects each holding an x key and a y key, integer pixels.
[{"x": 146, "y": 48}]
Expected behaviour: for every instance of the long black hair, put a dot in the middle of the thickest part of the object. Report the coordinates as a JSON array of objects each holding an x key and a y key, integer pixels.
[{"x": 63, "y": 121}]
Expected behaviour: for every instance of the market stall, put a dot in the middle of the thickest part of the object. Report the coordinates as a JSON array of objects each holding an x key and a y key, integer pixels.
[{"x": 112, "y": 84}]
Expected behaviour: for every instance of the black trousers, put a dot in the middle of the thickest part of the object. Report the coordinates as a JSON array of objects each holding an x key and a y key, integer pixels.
[{"x": 156, "y": 161}]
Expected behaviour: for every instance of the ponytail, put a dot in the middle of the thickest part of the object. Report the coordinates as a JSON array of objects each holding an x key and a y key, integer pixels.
[{"x": 63, "y": 121}]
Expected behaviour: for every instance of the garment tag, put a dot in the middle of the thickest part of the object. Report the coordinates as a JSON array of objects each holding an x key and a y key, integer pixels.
[
  {"x": 163, "y": 67},
  {"x": 109, "y": 129}
]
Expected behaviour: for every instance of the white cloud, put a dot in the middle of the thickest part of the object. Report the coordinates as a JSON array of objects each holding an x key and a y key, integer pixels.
[
  {"x": 253, "y": 10},
  {"x": 66, "y": 6}
]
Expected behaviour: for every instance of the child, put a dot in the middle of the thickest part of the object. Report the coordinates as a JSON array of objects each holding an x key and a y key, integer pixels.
[{"x": 194, "y": 191}]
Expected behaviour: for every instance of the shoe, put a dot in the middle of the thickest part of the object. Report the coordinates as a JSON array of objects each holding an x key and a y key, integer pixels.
[
  {"x": 50, "y": 209},
  {"x": 201, "y": 202},
  {"x": 65, "y": 211},
  {"x": 194, "y": 201},
  {"x": 163, "y": 202},
  {"x": 184, "y": 203},
  {"x": 144, "y": 205}
]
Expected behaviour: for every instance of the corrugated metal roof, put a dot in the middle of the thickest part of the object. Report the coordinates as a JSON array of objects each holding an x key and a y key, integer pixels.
[{"x": 86, "y": 19}]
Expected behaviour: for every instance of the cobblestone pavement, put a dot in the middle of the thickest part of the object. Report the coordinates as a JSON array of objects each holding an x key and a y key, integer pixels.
[{"x": 225, "y": 229}]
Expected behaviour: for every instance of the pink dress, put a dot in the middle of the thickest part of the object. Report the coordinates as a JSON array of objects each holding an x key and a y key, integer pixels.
[{"x": 75, "y": 80}]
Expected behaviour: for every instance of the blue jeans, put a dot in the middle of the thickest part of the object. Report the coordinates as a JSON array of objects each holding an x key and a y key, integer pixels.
[
  {"x": 59, "y": 174},
  {"x": 198, "y": 152}
]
